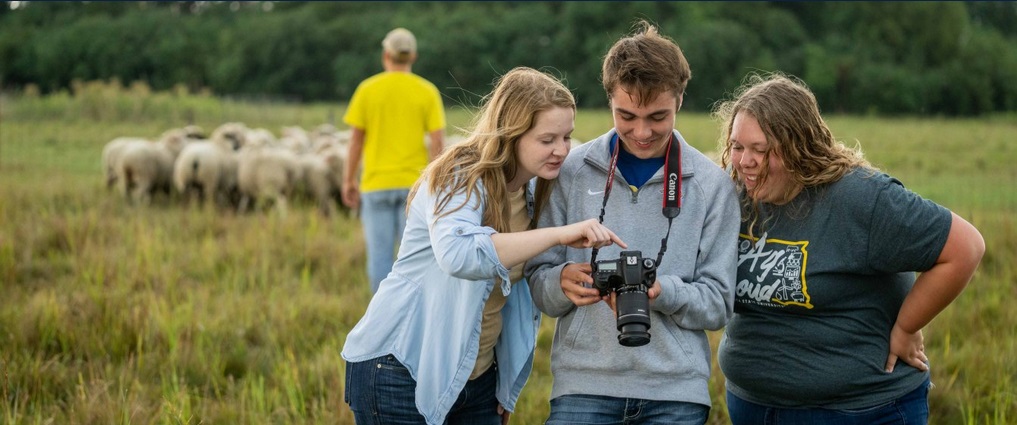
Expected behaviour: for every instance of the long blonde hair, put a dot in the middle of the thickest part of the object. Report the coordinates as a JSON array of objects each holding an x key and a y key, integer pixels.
[
  {"x": 488, "y": 154},
  {"x": 789, "y": 116}
]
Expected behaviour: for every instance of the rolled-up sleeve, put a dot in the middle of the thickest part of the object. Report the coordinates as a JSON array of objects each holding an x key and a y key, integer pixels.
[{"x": 462, "y": 245}]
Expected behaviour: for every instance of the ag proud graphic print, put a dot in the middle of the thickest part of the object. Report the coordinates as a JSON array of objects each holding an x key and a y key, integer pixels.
[{"x": 771, "y": 272}]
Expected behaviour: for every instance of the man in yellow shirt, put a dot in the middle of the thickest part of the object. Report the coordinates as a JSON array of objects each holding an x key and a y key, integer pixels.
[{"x": 390, "y": 113}]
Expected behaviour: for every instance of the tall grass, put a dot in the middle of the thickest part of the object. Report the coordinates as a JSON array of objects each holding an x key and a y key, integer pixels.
[{"x": 112, "y": 314}]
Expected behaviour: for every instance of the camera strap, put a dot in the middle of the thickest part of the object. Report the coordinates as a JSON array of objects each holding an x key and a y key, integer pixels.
[{"x": 672, "y": 199}]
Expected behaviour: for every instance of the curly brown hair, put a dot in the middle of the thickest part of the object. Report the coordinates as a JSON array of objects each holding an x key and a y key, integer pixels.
[{"x": 789, "y": 115}]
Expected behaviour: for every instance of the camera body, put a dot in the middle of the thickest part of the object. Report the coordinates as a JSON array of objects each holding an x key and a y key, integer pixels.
[{"x": 629, "y": 277}]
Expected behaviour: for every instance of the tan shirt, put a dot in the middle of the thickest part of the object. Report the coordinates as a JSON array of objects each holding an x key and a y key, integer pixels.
[{"x": 490, "y": 327}]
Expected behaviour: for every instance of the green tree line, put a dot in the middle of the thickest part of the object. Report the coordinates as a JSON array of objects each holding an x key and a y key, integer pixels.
[{"x": 931, "y": 58}]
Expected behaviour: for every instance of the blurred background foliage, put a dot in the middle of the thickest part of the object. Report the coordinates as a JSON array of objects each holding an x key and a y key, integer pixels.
[{"x": 930, "y": 58}]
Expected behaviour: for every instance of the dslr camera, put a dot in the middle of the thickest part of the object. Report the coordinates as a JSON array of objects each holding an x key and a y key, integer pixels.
[{"x": 629, "y": 277}]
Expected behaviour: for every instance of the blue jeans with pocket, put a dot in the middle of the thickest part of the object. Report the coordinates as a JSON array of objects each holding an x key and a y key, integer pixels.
[
  {"x": 383, "y": 217},
  {"x": 579, "y": 409},
  {"x": 910, "y": 409},
  {"x": 381, "y": 391}
]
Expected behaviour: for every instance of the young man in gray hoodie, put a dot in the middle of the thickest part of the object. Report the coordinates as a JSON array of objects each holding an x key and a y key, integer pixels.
[{"x": 656, "y": 368}]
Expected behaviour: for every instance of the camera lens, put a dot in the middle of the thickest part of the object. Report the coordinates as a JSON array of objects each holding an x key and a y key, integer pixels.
[
  {"x": 634, "y": 335},
  {"x": 633, "y": 318}
]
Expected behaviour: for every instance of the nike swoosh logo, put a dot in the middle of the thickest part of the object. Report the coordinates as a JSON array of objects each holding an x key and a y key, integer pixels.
[{"x": 591, "y": 192}]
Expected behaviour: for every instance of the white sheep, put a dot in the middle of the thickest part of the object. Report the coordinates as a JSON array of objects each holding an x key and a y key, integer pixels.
[
  {"x": 207, "y": 169},
  {"x": 322, "y": 175},
  {"x": 111, "y": 151},
  {"x": 266, "y": 174},
  {"x": 327, "y": 134},
  {"x": 111, "y": 154},
  {"x": 295, "y": 139},
  {"x": 233, "y": 134},
  {"x": 143, "y": 167},
  {"x": 260, "y": 137}
]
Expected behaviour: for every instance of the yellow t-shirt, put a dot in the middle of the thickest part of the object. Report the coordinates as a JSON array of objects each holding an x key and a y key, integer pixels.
[
  {"x": 490, "y": 328},
  {"x": 395, "y": 110}
]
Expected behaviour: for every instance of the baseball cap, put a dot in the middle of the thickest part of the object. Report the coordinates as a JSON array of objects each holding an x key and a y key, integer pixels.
[{"x": 400, "y": 40}]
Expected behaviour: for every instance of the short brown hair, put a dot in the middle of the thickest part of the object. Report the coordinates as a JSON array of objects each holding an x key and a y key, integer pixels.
[{"x": 646, "y": 63}]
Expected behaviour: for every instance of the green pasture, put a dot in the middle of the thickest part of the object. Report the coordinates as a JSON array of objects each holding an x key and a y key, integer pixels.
[{"x": 113, "y": 314}]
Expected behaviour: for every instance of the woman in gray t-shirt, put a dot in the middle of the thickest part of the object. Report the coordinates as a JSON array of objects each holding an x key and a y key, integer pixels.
[{"x": 828, "y": 310}]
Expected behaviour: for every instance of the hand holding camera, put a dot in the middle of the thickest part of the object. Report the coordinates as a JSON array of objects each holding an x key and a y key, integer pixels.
[{"x": 628, "y": 279}]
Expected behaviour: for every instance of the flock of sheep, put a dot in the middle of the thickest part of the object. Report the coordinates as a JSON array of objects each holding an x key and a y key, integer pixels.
[{"x": 236, "y": 167}]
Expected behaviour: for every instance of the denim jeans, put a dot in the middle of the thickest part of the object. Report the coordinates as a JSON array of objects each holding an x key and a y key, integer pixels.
[
  {"x": 593, "y": 409},
  {"x": 383, "y": 216},
  {"x": 911, "y": 409},
  {"x": 381, "y": 391}
]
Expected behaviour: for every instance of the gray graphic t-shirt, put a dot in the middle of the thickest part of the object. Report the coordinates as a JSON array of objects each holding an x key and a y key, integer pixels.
[{"x": 818, "y": 291}]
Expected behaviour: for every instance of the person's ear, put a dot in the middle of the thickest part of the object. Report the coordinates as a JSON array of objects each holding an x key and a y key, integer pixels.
[{"x": 680, "y": 98}]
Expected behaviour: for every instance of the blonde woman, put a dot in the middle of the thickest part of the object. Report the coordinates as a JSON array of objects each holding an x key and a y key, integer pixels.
[{"x": 449, "y": 336}]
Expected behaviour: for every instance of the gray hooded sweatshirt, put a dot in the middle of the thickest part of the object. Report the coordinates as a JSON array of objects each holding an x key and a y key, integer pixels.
[{"x": 697, "y": 278}]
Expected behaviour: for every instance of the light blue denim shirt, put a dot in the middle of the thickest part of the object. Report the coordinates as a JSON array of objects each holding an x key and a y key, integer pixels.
[{"x": 428, "y": 311}]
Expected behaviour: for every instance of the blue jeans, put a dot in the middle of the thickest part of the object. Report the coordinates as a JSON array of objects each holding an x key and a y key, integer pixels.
[
  {"x": 383, "y": 216},
  {"x": 381, "y": 391},
  {"x": 594, "y": 409},
  {"x": 911, "y": 409}
]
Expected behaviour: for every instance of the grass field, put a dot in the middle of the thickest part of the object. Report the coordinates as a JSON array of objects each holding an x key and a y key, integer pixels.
[{"x": 111, "y": 314}]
